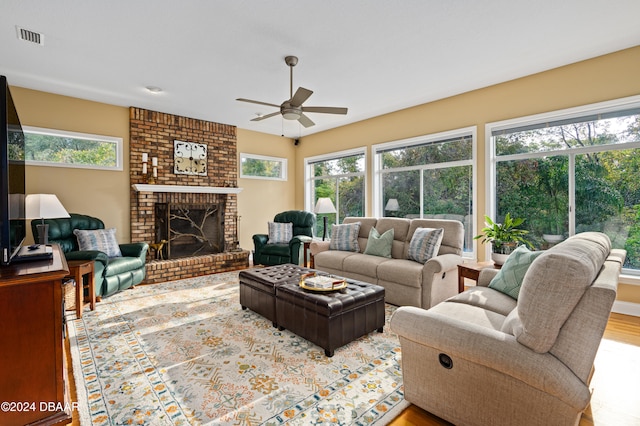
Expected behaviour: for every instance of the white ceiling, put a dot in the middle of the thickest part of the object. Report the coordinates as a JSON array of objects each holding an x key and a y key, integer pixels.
[{"x": 372, "y": 56}]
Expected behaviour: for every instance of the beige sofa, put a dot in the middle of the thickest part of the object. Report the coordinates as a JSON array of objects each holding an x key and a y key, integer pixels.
[
  {"x": 483, "y": 358},
  {"x": 406, "y": 282}
]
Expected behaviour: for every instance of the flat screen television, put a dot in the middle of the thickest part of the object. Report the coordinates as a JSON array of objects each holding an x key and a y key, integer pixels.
[{"x": 13, "y": 225}]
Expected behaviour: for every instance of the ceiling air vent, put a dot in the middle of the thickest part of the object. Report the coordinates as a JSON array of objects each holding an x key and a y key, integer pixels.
[{"x": 31, "y": 36}]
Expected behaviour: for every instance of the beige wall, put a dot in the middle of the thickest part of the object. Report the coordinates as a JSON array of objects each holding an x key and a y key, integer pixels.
[
  {"x": 600, "y": 79},
  {"x": 261, "y": 199},
  {"x": 103, "y": 194}
]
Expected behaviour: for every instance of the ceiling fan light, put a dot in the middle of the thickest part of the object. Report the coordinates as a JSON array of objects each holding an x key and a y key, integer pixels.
[{"x": 291, "y": 114}]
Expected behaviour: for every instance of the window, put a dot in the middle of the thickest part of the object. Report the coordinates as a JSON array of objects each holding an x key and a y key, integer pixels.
[
  {"x": 430, "y": 176},
  {"x": 58, "y": 148},
  {"x": 262, "y": 167},
  {"x": 341, "y": 177},
  {"x": 571, "y": 171}
]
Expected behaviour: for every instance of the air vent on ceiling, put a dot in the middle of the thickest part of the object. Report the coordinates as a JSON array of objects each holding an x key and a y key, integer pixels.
[{"x": 31, "y": 36}]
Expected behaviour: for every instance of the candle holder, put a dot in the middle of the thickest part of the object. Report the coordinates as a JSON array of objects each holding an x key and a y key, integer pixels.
[{"x": 145, "y": 175}]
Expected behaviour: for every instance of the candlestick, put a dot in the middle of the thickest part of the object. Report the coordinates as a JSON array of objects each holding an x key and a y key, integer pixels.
[{"x": 144, "y": 168}]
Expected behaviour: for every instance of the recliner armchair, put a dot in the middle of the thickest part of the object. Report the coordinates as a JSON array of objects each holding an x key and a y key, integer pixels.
[
  {"x": 267, "y": 253},
  {"x": 483, "y": 357},
  {"x": 111, "y": 274}
]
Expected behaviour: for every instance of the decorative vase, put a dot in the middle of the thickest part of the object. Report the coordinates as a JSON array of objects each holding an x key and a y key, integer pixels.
[
  {"x": 553, "y": 238},
  {"x": 499, "y": 258}
]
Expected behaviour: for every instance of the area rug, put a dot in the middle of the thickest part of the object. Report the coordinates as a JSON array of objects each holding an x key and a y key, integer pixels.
[{"x": 185, "y": 353}]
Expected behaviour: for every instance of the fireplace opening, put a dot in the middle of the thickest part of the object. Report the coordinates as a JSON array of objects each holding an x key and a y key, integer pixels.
[{"x": 189, "y": 229}]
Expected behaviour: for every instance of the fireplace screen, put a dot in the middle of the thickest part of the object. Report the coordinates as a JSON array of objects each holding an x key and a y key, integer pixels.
[{"x": 190, "y": 229}]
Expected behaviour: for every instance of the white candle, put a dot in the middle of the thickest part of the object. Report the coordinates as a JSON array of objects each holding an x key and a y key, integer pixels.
[
  {"x": 144, "y": 157},
  {"x": 144, "y": 168},
  {"x": 154, "y": 161},
  {"x": 155, "y": 172}
]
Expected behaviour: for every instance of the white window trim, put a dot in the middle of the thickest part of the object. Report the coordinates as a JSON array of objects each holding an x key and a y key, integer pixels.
[
  {"x": 568, "y": 113},
  {"x": 283, "y": 168},
  {"x": 418, "y": 140},
  {"x": 308, "y": 176},
  {"x": 76, "y": 135}
]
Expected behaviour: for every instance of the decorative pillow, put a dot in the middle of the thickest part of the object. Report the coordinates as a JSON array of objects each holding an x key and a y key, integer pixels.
[
  {"x": 345, "y": 237},
  {"x": 425, "y": 244},
  {"x": 103, "y": 240},
  {"x": 509, "y": 279},
  {"x": 280, "y": 233},
  {"x": 379, "y": 245}
]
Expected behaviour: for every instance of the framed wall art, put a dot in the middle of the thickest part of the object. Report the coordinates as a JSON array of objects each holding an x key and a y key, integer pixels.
[{"x": 189, "y": 158}]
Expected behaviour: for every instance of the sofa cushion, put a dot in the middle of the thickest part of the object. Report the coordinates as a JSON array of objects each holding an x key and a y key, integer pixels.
[
  {"x": 103, "y": 240},
  {"x": 486, "y": 298},
  {"x": 553, "y": 286},
  {"x": 345, "y": 237},
  {"x": 425, "y": 244},
  {"x": 363, "y": 264},
  {"x": 332, "y": 259},
  {"x": 401, "y": 271},
  {"x": 280, "y": 233},
  {"x": 379, "y": 245},
  {"x": 509, "y": 278}
]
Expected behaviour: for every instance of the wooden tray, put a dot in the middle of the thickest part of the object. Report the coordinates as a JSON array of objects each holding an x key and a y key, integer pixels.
[{"x": 338, "y": 284}]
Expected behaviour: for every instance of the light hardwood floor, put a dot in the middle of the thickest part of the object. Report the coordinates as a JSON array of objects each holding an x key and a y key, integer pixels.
[{"x": 615, "y": 397}]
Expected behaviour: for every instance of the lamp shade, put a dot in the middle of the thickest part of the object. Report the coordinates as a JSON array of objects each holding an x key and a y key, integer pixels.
[
  {"x": 44, "y": 206},
  {"x": 392, "y": 205},
  {"x": 325, "y": 205}
]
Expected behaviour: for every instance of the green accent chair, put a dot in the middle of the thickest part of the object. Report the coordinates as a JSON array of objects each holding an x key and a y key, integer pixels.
[
  {"x": 266, "y": 253},
  {"x": 111, "y": 274}
]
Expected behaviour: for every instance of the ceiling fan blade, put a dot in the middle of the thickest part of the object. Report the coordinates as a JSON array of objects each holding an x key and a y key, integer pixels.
[
  {"x": 305, "y": 121},
  {"x": 257, "y": 102},
  {"x": 300, "y": 96},
  {"x": 262, "y": 117},
  {"x": 325, "y": 110}
]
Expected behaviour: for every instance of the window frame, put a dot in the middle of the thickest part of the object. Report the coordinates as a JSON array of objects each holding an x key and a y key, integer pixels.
[
  {"x": 77, "y": 135},
  {"x": 283, "y": 167},
  {"x": 309, "y": 189},
  {"x": 551, "y": 116},
  {"x": 379, "y": 171}
]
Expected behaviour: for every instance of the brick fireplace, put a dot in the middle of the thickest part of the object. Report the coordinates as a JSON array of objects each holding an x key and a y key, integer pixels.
[{"x": 153, "y": 133}]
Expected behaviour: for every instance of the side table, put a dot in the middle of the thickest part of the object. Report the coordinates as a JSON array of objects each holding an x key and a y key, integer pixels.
[
  {"x": 77, "y": 270},
  {"x": 471, "y": 271}
]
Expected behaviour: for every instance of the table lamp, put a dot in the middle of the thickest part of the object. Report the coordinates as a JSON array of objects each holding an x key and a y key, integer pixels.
[
  {"x": 43, "y": 206},
  {"x": 392, "y": 205},
  {"x": 324, "y": 206}
]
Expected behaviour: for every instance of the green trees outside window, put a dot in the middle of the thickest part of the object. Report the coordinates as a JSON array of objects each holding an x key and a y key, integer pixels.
[{"x": 574, "y": 176}]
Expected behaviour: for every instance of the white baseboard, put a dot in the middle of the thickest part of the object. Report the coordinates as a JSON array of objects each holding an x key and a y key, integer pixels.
[{"x": 626, "y": 308}]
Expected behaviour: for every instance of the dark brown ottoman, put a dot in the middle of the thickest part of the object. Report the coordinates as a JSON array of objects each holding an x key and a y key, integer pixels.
[
  {"x": 330, "y": 319},
  {"x": 257, "y": 287}
]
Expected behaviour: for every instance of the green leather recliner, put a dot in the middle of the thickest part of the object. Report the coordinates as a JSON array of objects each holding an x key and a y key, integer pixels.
[
  {"x": 111, "y": 274},
  {"x": 277, "y": 254}
]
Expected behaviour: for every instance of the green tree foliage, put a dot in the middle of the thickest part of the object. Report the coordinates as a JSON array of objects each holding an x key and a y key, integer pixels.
[{"x": 67, "y": 150}]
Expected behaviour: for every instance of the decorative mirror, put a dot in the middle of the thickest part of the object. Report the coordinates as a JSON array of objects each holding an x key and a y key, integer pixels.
[{"x": 189, "y": 158}]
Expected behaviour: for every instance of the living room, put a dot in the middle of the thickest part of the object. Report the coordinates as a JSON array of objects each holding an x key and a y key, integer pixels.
[{"x": 108, "y": 194}]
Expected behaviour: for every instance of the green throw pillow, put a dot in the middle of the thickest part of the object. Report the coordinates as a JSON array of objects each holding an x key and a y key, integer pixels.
[
  {"x": 509, "y": 279},
  {"x": 379, "y": 245}
]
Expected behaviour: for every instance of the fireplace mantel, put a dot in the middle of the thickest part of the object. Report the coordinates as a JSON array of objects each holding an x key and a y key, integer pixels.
[{"x": 140, "y": 187}]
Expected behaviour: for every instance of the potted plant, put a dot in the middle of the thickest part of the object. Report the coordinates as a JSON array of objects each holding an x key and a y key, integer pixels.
[{"x": 504, "y": 237}]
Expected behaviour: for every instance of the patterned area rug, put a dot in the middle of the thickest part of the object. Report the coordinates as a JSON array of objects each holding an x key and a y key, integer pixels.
[{"x": 185, "y": 353}]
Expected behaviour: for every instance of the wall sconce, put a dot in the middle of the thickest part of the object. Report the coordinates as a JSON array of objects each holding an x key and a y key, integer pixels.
[
  {"x": 145, "y": 158},
  {"x": 154, "y": 168}
]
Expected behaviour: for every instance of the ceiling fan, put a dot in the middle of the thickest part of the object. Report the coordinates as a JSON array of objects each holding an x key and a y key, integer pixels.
[{"x": 292, "y": 108}]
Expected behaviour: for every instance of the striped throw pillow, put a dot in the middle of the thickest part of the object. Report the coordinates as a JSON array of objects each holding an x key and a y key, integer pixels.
[
  {"x": 103, "y": 240},
  {"x": 280, "y": 233},
  {"x": 345, "y": 237},
  {"x": 425, "y": 244}
]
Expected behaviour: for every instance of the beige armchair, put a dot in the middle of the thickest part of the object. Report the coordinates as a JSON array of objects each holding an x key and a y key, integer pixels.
[{"x": 484, "y": 358}]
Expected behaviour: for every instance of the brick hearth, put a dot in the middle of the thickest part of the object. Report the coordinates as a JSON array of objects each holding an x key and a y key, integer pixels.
[{"x": 154, "y": 133}]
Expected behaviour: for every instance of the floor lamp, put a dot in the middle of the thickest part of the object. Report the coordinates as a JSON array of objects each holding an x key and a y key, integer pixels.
[
  {"x": 325, "y": 206},
  {"x": 392, "y": 205},
  {"x": 43, "y": 206}
]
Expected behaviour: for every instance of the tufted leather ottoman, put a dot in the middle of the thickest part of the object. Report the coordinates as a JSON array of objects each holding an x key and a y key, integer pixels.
[
  {"x": 330, "y": 319},
  {"x": 257, "y": 287}
]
